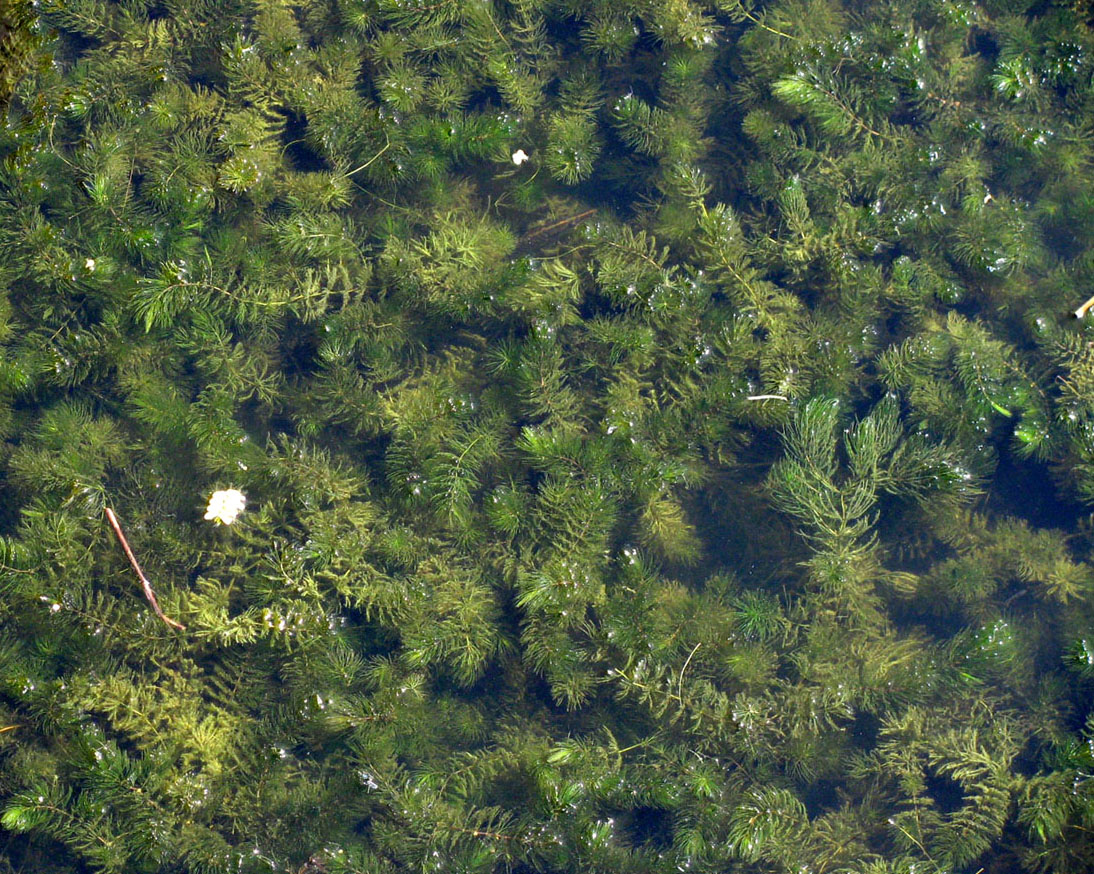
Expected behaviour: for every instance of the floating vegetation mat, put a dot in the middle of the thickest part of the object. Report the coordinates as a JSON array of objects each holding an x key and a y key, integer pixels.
[{"x": 562, "y": 436}]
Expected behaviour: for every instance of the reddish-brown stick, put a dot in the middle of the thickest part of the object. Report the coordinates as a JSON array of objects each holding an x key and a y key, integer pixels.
[{"x": 145, "y": 584}]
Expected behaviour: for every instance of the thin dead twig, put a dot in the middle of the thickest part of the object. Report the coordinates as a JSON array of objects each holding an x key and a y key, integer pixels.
[{"x": 145, "y": 584}]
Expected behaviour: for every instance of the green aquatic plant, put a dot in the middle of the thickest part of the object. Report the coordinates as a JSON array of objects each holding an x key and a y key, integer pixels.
[{"x": 664, "y": 439}]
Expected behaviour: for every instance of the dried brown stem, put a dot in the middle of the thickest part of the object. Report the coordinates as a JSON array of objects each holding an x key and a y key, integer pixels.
[
  {"x": 1082, "y": 310},
  {"x": 145, "y": 584}
]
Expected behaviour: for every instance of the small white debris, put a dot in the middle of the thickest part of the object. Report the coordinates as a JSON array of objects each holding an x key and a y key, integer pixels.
[{"x": 225, "y": 505}]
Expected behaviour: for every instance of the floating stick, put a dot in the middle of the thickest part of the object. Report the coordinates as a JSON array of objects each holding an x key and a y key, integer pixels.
[
  {"x": 147, "y": 586},
  {"x": 1082, "y": 311}
]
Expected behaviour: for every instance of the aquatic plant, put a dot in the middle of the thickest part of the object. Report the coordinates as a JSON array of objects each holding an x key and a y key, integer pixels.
[{"x": 665, "y": 436}]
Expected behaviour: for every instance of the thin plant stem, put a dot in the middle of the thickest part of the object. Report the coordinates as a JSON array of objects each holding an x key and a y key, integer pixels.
[{"x": 145, "y": 584}]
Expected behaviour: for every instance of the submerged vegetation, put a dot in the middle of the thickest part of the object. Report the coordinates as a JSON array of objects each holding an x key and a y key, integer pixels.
[{"x": 709, "y": 491}]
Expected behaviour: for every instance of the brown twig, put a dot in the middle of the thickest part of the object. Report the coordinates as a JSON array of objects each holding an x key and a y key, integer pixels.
[
  {"x": 1082, "y": 310},
  {"x": 145, "y": 584}
]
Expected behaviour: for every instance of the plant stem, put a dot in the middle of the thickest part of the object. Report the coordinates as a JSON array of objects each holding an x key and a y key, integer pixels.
[{"x": 145, "y": 584}]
